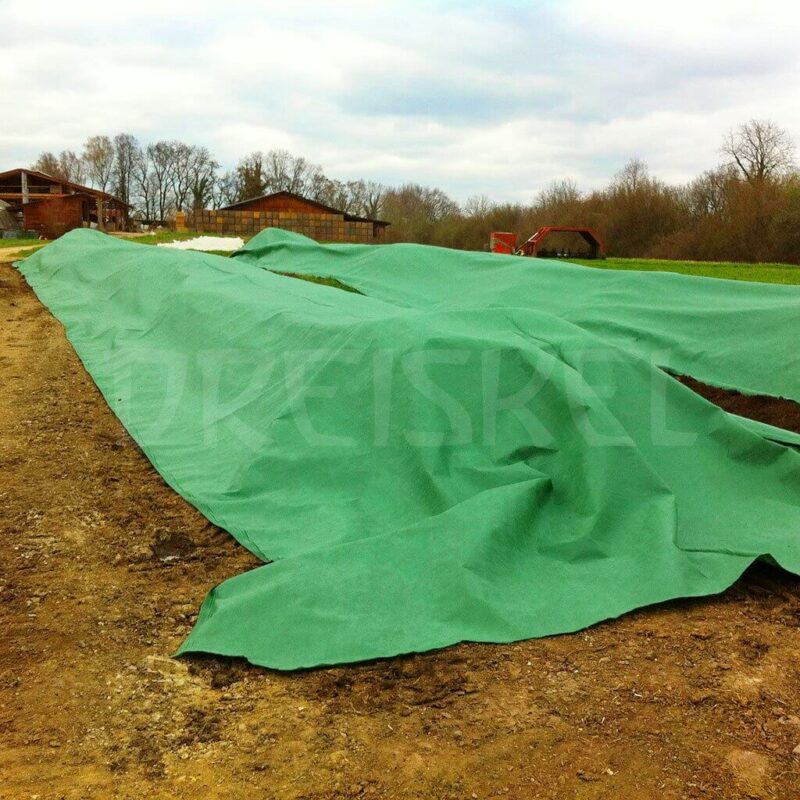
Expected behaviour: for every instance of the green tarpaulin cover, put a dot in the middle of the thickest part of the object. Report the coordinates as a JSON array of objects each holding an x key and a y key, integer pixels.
[
  {"x": 453, "y": 460},
  {"x": 721, "y": 332}
]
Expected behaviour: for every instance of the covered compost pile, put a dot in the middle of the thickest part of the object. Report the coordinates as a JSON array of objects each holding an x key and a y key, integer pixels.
[{"x": 472, "y": 447}]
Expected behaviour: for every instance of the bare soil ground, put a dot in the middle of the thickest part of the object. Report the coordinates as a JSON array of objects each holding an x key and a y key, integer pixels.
[
  {"x": 771, "y": 410},
  {"x": 103, "y": 568},
  {"x": 11, "y": 253}
]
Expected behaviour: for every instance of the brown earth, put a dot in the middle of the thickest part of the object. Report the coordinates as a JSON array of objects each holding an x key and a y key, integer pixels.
[
  {"x": 11, "y": 253},
  {"x": 772, "y": 410},
  {"x": 102, "y": 570}
]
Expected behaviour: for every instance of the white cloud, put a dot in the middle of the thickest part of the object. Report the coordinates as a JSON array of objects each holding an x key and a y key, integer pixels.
[{"x": 495, "y": 98}]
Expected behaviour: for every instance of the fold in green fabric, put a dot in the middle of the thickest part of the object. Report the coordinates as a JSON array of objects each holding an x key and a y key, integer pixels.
[
  {"x": 421, "y": 472},
  {"x": 732, "y": 334}
]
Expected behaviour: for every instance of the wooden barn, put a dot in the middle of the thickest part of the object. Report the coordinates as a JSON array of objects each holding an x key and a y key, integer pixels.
[
  {"x": 291, "y": 212},
  {"x": 51, "y": 206}
]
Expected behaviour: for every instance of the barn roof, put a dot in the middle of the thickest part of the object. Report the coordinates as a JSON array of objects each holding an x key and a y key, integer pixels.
[
  {"x": 317, "y": 204},
  {"x": 77, "y": 187}
]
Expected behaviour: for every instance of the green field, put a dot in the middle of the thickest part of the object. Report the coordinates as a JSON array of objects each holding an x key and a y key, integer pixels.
[
  {"x": 32, "y": 244},
  {"x": 762, "y": 273},
  {"x": 20, "y": 242}
]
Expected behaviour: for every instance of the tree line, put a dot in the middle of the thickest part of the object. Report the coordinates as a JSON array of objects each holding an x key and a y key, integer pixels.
[
  {"x": 167, "y": 176},
  {"x": 747, "y": 208}
]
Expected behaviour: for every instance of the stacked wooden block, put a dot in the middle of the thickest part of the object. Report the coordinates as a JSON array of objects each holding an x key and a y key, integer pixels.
[{"x": 322, "y": 227}]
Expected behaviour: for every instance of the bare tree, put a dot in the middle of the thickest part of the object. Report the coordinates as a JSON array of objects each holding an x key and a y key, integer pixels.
[
  {"x": 250, "y": 177},
  {"x": 300, "y": 175},
  {"x": 182, "y": 171},
  {"x": 277, "y": 170},
  {"x": 359, "y": 197},
  {"x": 632, "y": 177},
  {"x": 760, "y": 149},
  {"x": 48, "y": 164},
  {"x": 202, "y": 177},
  {"x": 98, "y": 155},
  {"x": 72, "y": 166},
  {"x": 564, "y": 192},
  {"x": 478, "y": 205},
  {"x": 708, "y": 193},
  {"x": 439, "y": 204},
  {"x": 284, "y": 172},
  {"x": 126, "y": 151},
  {"x": 374, "y": 194},
  {"x": 144, "y": 184},
  {"x": 66, "y": 166},
  {"x": 226, "y": 189},
  {"x": 161, "y": 156},
  {"x": 418, "y": 210},
  {"x": 333, "y": 193}
]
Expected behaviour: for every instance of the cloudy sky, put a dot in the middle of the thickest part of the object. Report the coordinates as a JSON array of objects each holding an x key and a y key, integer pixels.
[{"x": 475, "y": 97}]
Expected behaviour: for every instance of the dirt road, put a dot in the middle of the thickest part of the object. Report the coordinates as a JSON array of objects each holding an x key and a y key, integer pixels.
[{"x": 103, "y": 567}]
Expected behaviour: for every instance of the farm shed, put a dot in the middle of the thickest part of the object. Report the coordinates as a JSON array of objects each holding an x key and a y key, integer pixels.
[
  {"x": 52, "y": 206},
  {"x": 291, "y": 212},
  {"x": 7, "y": 220}
]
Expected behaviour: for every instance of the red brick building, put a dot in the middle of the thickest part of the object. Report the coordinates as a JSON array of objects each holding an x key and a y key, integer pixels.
[{"x": 51, "y": 206}]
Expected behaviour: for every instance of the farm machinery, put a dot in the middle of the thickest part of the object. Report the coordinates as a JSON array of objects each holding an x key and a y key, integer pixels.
[{"x": 503, "y": 242}]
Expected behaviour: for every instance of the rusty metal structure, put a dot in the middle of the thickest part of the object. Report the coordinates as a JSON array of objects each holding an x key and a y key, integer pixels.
[
  {"x": 503, "y": 242},
  {"x": 534, "y": 246},
  {"x": 52, "y": 206}
]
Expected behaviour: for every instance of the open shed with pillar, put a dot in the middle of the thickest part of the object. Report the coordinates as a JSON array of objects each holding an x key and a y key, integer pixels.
[{"x": 52, "y": 206}]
